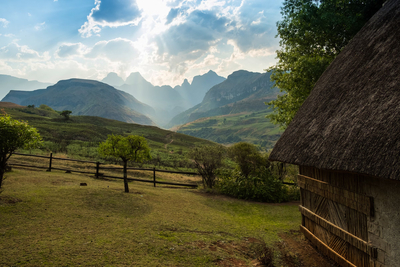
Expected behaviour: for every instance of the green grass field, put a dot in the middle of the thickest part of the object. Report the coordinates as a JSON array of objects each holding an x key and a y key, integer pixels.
[
  {"x": 49, "y": 219},
  {"x": 79, "y": 137}
]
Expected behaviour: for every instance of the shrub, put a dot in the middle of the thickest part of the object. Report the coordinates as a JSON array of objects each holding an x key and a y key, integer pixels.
[
  {"x": 248, "y": 159},
  {"x": 207, "y": 160},
  {"x": 254, "y": 178},
  {"x": 263, "y": 187}
]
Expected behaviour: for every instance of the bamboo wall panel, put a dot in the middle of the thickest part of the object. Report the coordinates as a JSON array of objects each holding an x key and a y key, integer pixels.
[
  {"x": 312, "y": 220},
  {"x": 336, "y": 246},
  {"x": 348, "y": 181},
  {"x": 346, "y": 218},
  {"x": 326, "y": 249},
  {"x": 350, "y": 199},
  {"x": 335, "y": 211}
]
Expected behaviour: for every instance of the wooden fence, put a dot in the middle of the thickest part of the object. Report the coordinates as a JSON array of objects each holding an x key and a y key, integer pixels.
[{"x": 97, "y": 168}]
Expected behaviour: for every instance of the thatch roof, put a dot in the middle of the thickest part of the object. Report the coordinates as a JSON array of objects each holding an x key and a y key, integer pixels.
[{"x": 351, "y": 120}]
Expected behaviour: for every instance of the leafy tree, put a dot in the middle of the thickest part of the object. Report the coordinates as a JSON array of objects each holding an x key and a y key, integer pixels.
[
  {"x": 65, "y": 114},
  {"x": 14, "y": 134},
  {"x": 248, "y": 159},
  {"x": 312, "y": 33},
  {"x": 207, "y": 160},
  {"x": 127, "y": 148}
]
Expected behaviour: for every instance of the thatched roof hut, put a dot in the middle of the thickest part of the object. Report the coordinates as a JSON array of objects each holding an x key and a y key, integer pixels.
[{"x": 346, "y": 140}]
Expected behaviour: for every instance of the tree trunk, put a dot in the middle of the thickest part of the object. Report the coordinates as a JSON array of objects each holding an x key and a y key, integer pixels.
[
  {"x": 126, "y": 177},
  {"x": 3, "y": 165},
  {"x": 2, "y": 170}
]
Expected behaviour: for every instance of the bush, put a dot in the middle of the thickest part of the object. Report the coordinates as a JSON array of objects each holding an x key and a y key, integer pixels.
[
  {"x": 248, "y": 159},
  {"x": 255, "y": 178},
  {"x": 207, "y": 159},
  {"x": 262, "y": 187}
]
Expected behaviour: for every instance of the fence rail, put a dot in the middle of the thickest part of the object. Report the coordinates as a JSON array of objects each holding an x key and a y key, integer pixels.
[{"x": 97, "y": 168}]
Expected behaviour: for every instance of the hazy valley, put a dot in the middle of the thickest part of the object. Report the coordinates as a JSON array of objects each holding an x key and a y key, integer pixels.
[{"x": 210, "y": 107}]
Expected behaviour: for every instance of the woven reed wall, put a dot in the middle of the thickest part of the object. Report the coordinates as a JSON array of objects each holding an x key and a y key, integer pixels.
[{"x": 335, "y": 211}]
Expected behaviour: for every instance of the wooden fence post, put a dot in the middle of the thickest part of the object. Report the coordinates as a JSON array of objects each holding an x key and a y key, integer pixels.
[
  {"x": 154, "y": 176},
  {"x": 97, "y": 169},
  {"x": 51, "y": 159}
]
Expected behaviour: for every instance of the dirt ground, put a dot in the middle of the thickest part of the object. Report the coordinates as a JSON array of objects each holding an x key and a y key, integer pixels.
[{"x": 293, "y": 251}]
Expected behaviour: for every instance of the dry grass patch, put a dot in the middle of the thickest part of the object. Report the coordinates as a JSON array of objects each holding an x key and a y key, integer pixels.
[{"x": 60, "y": 223}]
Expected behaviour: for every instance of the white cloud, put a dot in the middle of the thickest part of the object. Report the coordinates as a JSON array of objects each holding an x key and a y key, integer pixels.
[
  {"x": 169, "y": 40},
  {"x": 4, "y": 22},
  {"x": 71, "y": 50},
  {"x": 40, "y": 26},
  {"x": 119, "y": 49},
  {"x": 110, "y": 13},
  {"x": 15, "y": 52},
  {"x": 211, "y": 4}
]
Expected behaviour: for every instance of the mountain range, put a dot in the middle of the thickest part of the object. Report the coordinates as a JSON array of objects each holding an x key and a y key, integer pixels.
[
  {"x": 8, "y": 83},
  {"x": 242, "y": 91},
  {"x": 212, "y": 107},
  {"x": 167, "y": 101},
  {"x": 158, "y": 103}
]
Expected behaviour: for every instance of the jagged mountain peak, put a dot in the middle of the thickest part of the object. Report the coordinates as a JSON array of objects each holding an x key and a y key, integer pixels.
[
  {"x": 135, "y": 78},
  {"x": 113, "y": 79},
  {"x": 249, "y": 89},
  {"x": 185, "y": 83}
]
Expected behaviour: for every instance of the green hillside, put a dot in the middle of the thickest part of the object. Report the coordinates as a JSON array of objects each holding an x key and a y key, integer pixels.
[
  {"x": 242, "y": 91},
  {"x": 86, "y": 97},
  {"x": 81, "y": 134},
  {"x": 250, "y": 127}
]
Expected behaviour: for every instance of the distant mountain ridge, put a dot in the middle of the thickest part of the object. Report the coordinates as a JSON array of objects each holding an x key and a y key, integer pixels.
[
  {"x": 86, "y": 97},
  {"x": 200, "y": 85},
  {"x": 166, "y": 101},
  {"x": 113, "y": 79},
  {"x": 137, "y": 100},
  {"x": 241, "y": 91},
  {"x": 8, "y": 83}
]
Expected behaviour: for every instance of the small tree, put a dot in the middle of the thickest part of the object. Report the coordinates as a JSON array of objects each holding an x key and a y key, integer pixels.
[
  {"x": 14, "y": 134},
  {"x": 65, "y": 114},
  {"x": 127, "y": 148},
  {"x": 207, "y": 160},
  {"x": 248, "y": 158}
]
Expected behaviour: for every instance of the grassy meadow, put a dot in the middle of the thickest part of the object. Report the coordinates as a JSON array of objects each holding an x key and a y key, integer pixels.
[
  {"x": 47, "y": 218},
  {"x": 80, "y": 136}
]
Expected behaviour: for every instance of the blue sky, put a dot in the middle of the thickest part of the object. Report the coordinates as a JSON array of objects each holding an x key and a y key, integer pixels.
[{"x": 165, "y": 40}]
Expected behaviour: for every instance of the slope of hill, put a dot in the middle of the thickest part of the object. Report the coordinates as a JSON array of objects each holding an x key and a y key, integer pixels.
[
  {"x": 241, "y": 91},
  {"x": 86, "y": 97},
  {"x": 84, "y": 132},
  {"x": 8, "y": 83},
  {"x": 250, "y": 127}
]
